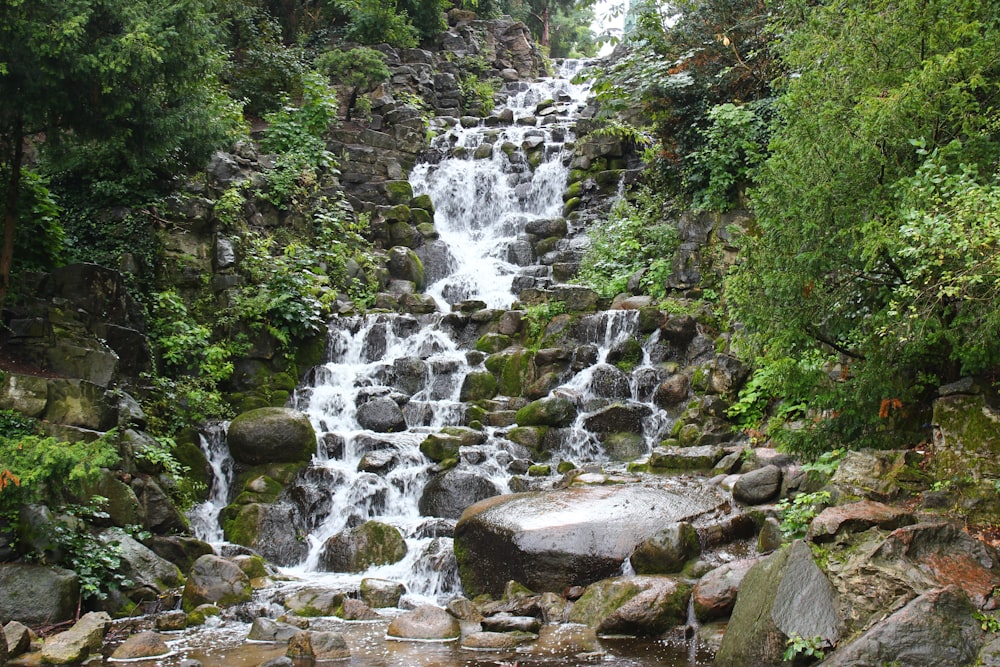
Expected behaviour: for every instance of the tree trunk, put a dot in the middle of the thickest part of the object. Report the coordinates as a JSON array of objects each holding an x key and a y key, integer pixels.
[
  {"x": 545, "y": 26},
  {"x": 10, "y": 212}
]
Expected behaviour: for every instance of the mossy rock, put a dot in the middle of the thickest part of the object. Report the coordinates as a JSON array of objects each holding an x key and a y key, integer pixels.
[
  {"x": 309, "y": 352},
  {"x": 546, "y": 245},
  {"x": 626, "y": 355},
  {"x": 421, "y": 219},
  {"x": 539, "y": 470},
  {"x": 399, "y": 192},
  {"x": 271, "y": 435},
  {"x": 492, "y": 343},
  {"x": 496, "y": 362},
  {"x": 423, "y": 202},
  {"x": 565, "y": 466},
  {"x": 199, "y": 614},
  {"x": 356, "y": 550},
  {"x": 402, "y": 233},
  {"x": 532, "y": 437},
  {"x": 517, "y": 373},
  {"x": 549, "y": 411},
  {"x": 624, "y": 446},
  {"x": 477, "y": 386},
  {"x": 240, "y": 522},
  {"x": 440, "y": 446},
  {"x": 570, "y": 206}
]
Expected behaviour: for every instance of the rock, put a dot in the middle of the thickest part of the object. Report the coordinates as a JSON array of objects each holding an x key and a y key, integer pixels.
[
  {"x": 3, "y": 649},
  {"x": 447, "y": 494},
  {"x": 478, "y": 386},
  {"x": 714, "y": 595},
  {"x": 426, "y": 623},
  {"x": 217, "y": 581},
  {"x": 356, "y": 610},
  {"x": 770, "y": 536},
  {"x": 404, "y": 264},
  {"x": 180, "y": 550},
  {"x": 550, "y": 411},
  {"x": 758, "y": 486},
  {"x": 618, "y": 418},
  {"x": 141, "y": 565},
  {"x": 315, "y": 601},
  {"x": 82, "y": 640},
  {"x": 381, "y": 415},
  {"x": 142, "y": 645},
  {"x": 271, "y": 435},
  {"x": 965, "y": 447},
  {"x": 939, "y": 555},
  {"x": 856, "y": 517},
  {"x": 357, "y": 549},
  {"x": 781, "y": 596},
  {"x": 158, "y": 511},
  {"x": 329, "y": 646},
  {"x": 300, "y": 647},
  {"x": 380, "y": 593},
  {"x": 726, "y": 375},
  {"x": 702, "y": 457},
  {"x": 937, "y": 629},
  {"x": 610, "y": 382},
  {"x": 672, "y": 391},
  {"x": 496, "y": 641},
  {"x": 280, "y": 661},
  {"x": 268, "y": 630},
  {"x": 37, "y": 595},
  {"x": 639, "y": 605},
  {"x": 667, "y": 551},
  {"x": 171, "y": 621},
  {"x": 545, "y": 540},
  {"x": 17, "y": 637},
  {"x": 81, "y": 404},
  {"x": 270, "y": 529},
  {"x": 25, "y": 393},
  {"x": 877, "y": 475},
  {"x": 507, "y": 623},
  {"x": 679, "y": 330}
]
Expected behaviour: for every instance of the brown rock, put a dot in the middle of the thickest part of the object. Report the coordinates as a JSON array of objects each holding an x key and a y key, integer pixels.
[
  {"x": 855, "y": 517},
  {"x": 142, "y": 645}
]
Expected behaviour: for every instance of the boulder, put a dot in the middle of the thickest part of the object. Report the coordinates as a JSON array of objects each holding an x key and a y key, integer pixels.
[
  {"x": 610, "y": 382},
  {"x": 667, "y": 550},
  {"x": 215, "y": 580},
  {"x": 380, "y": 593},
  {"x": 672, "y": 391},
  {"x": 618, "y": 418},
  {"x": 315, "y": 601},
  {"x": 425, "y": 623},
  {"x": 270, "y": 529},
  {"x": 504, "y": 622},
  {"x": 404, "y": 264},
  {"x": 357, "y": 549},
  {"x": 81, "y": 404},
  {"x": 142, "y": 645},
  {"x": 549, "y": 411},
  {"x": 447, "y": 494},
  {"x": 381, "y": 415},
  {"x": 496, "y": 641},
  {"x": 141, "y": 565},
  {"x": 171, "y": 621},
  {"x": 549, "y": 540},
  {"x": 158, "y": 512},
  {"x": 877, "y": 475},
  {"x": 85, "y": 638},
  {"x": 271, "y": 435},
  {"x": 782, "y": 596},
  {"x": 37, "y": 595},
  {"x": 714, "y": 595},
  {"x": 701, "y": 457},
  {"x": 180, "y": 550},
  {"x": 937, "y": 629},
  {"x": 328, "y": 646},
  {"x": 758, "y": 486},
  {"x": 356, "y": 610},
  {"x": 637, "y": 605},
  {"x": 268, "y": 630}
]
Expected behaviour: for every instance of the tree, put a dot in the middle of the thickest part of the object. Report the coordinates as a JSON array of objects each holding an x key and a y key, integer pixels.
[
  {"x": 888, "y": 102},
  {"x": 106, "y": 88},
  {"x": 361, "y": 69}
]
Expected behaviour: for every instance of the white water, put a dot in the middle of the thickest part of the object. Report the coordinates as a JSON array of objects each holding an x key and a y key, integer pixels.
[
  {"x": 483, "y": 205},
  {"x": 204, "y": 516}
]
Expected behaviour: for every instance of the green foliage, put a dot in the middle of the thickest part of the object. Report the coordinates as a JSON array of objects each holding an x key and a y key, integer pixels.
[
  {"x": 798, "y": 513},
  {"x": 478, "y": 94},
  {"x": 636, "y": 236},
  {"x": 47, "y": 469},
  {"x": 987, "y": 622},
  {"x": 297, "y": 134},
  {"x": 378, "y": 21},
  {"x": 808, "y": 647},
  {"x": 867, "y": 251},
  {"x": 778, "y": 390},
  {"x": 107, "y": 237},
  {"x": 362, "y": 69},
  {"x": 40, "y": 234},
  {"x": 733, "y": 148},
  {"x": 539, "y": 316}
]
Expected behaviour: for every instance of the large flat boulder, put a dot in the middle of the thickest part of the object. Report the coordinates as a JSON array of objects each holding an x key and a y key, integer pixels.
[
  {"x": 271, "y": 435},
  {"x": 569, "y": 537},
  {"x": 37, "y": 595}
]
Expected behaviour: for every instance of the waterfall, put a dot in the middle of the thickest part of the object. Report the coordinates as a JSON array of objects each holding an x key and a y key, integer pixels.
[
  {"x": 389, "y": 381},
  {"x": 204, "y": 516}
]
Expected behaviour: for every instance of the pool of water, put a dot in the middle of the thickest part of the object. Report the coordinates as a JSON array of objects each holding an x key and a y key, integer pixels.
[{"x": 223, "y": 645}]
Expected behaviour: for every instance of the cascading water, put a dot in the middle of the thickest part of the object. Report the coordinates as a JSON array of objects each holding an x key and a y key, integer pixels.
[
  {"x": 204, "y": 516},
  {"x": 390, "y": 380}
]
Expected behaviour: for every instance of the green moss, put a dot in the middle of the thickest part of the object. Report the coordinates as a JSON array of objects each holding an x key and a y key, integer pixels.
[
  {"x": 423, "y": 202},
  {"x": 492, "y": 343},
  {"x": 420, "y": 217},
  {"x": 478, "y": 385},
  {"x": 565, "y": 466},
  {"x": 399, "y": 192},
  {"x": 539, "y": 470},
  {"x": 516, "y": 373},
  {"x": 570, "y": 206},
  {"x": 242, "y": 527}
]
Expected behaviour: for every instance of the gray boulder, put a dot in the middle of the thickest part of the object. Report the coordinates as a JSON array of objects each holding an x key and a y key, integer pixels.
[
  {"x": 17, "y": 637},
  {"x": 618, "y": 418},
  {"x": 447, "y": 494},
  {"x": 425, "y": 623},
  {"x": 545, "y": 541},
  {"x": 379, "y": 593},
  {"x": 158, "y": 511},
  {"x": 937, "y": 629},
  {"x": 82, "y": 640},
  {"x": 36, "y": 594},
  {"x": 215, "y": 580},
  {"x": 315, "y": 601},
  {"x": 271, "y": 435},
  {"x": 758, "y": 486},
  {"x": 381, "y": 415},
  {"x": 357, "y": 549},
  {"x": 268, "y": 630},
  {"x": 549, "y": 411},
  {"x": 782, "y": 596},
  {"x": 714, "y": 595},
  {"x": 608, "y": 381},
  {"x": 147, "y": 571}
]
